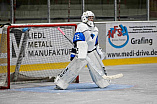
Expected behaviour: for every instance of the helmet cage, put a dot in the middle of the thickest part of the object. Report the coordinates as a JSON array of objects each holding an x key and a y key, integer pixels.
[{"x": 85, "y": 16}]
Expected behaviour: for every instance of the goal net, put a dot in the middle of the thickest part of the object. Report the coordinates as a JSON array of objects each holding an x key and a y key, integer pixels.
[{"x": 37, "y": 54}]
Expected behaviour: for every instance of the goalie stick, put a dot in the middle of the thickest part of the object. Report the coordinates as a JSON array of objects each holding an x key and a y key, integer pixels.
[
  {"x": 65, "y": 35},
  {"x": 116, "y": 76},
  {"x": 113, "y": 76}
]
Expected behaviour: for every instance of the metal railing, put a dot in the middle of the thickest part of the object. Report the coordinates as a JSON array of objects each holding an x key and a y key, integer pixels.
[{"x": 105, "y": 10}]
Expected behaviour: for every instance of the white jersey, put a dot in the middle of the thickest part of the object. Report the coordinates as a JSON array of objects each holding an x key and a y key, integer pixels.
[{"x": 88, "y": 34}]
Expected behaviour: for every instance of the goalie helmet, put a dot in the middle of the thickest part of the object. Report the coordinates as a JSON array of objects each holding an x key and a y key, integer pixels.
[{"x": 85, "y": 16}]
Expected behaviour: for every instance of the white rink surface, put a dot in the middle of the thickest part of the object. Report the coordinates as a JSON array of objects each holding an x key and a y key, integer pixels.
[{"x": 143, "y": 77}]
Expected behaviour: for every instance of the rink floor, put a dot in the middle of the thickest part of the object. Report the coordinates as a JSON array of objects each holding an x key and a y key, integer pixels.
[{"x": 138, "y": 86}]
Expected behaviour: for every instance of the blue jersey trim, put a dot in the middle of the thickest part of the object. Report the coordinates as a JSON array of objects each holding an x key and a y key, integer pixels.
[
  {"x": 96, "y": 42},
  {"x": 79, "y": 36},
  {"x": 72, "y": 55}
]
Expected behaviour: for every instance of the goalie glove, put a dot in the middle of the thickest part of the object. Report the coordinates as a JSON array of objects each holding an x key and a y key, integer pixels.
[
  {"x": 73, "y": 53},
  {"x": 99, "y": 51},
  {"x": 72, "y": 57}
]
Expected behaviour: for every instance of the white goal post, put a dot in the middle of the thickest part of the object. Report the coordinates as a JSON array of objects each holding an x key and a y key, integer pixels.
[{"x": 38, "y": 54}]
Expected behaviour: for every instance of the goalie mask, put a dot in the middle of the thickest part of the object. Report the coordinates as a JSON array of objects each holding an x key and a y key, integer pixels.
[{"x": 85, "y": 16}]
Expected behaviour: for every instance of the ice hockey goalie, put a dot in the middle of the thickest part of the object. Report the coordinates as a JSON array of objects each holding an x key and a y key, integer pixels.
[{"x": 86, "y": 51}]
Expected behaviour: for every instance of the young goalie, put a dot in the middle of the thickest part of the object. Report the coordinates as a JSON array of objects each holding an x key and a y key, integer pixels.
[{"x": 86, "y": 51}]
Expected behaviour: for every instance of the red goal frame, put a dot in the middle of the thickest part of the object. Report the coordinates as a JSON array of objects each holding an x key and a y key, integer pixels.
[{"x": 8, "y": 46}]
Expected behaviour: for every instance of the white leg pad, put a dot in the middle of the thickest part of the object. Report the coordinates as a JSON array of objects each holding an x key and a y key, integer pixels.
[
  {"x": 96, "y": 69},
  {"x": 70, "y": 73}
]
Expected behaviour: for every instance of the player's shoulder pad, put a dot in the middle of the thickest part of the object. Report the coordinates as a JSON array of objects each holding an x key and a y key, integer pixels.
[
  {"x": 81, "y": 27},
  {"x": 78, "y": 36}
]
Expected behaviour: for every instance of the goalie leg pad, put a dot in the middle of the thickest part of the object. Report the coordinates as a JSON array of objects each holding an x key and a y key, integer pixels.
[
  {"x": 96, "y": 70},
  {"x": 70, "y": 73}
]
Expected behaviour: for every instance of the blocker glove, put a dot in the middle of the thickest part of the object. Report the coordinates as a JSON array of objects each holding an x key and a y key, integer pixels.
[{"x": 73, "y": 53}]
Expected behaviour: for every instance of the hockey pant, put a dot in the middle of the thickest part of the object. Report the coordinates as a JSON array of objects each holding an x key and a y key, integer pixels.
[{"x": 94, "y": 65}]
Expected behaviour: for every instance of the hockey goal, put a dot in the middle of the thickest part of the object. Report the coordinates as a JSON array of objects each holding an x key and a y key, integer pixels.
[{"x": 39, "y": 53}]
